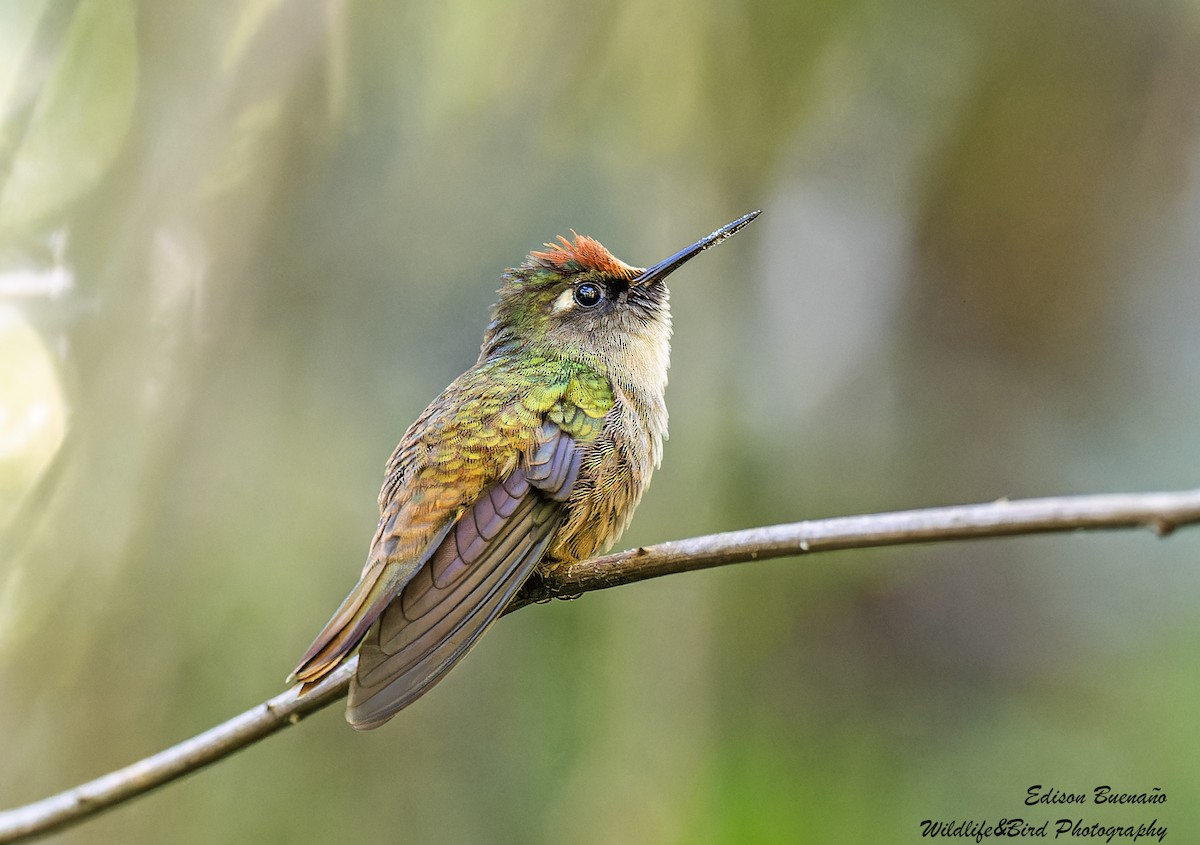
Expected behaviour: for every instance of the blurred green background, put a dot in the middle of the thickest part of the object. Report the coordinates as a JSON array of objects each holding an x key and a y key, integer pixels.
[{"x": 243, "y": 244}]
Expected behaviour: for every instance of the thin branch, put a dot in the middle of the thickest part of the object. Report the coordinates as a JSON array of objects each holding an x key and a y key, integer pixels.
[{"x": 1161, "y": 512}]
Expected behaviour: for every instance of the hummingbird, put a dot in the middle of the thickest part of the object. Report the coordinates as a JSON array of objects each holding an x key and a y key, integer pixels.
[{"x": 534, "y": 457}]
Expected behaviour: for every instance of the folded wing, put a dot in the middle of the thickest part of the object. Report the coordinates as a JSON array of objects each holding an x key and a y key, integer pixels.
[{"x": 466, "y": 582}]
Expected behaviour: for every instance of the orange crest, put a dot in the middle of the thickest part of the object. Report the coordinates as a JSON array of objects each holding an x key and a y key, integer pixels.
[{"x": 588, "y": 254}]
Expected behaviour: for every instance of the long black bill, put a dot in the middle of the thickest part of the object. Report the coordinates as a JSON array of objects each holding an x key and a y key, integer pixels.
[{"x": 664, "y": 268}]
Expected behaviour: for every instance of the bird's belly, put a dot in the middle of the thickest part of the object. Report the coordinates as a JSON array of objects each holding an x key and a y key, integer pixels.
[{"x": 616, "y": 471}]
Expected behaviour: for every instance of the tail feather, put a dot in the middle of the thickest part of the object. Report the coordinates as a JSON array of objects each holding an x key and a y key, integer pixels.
[
  {"x": 341, "y": 634},
  {"x": 354, "y": 616}
]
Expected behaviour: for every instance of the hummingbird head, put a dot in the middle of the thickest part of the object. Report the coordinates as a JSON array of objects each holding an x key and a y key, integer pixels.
[{"x": 577, "y": 298}]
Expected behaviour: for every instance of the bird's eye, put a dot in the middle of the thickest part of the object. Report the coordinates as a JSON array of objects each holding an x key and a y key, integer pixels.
[{"x": 588, "y": 295}]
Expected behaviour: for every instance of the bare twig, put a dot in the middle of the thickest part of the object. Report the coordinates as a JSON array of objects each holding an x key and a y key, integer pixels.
[{"x": 1161, "y": 512}]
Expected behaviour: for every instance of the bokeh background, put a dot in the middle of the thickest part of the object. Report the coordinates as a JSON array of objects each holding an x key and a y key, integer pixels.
[{"x": 242, "y": 244}]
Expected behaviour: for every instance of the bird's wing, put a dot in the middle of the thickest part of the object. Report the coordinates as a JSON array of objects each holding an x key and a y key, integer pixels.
[
  {"x": 479, "y": 459},
  {"x": 476, "y": 569}
]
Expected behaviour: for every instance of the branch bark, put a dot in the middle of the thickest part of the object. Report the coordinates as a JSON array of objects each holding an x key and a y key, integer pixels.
[{"x": 1161, "y": 512}]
